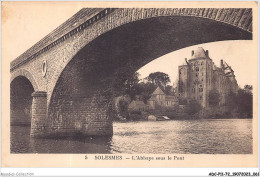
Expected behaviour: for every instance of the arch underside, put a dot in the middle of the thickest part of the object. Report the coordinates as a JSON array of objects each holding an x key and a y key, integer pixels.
[
  {"x": 26, "y": 74},
  {"x": 137, "y": 43},
  {"x": 20, "y": 101},
  {"x": 126, "y": 48}
]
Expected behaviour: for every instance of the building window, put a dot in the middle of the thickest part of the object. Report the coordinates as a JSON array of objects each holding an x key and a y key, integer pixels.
[
  {"x": 197, "y": 69},
  {"x": 180, "y": 71},
  {"x": 202, "y": 63},
  {"x": 160, "y": 97},
  {"x": 200, "y": 89},
  {"x": 181, "y": 87},
  {"x": 193, "y": 90},
  {"x": 197, "y": 74},
  {"x": 200, "y": 97}
]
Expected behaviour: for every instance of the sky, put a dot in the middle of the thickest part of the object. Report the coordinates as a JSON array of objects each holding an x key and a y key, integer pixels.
[
  {"x": 23, "y": 26},
  {"x": 25, "y": 23}
]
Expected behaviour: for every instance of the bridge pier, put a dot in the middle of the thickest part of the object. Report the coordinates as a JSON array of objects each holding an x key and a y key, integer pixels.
[
  {"x": 80, "y": 115},
  {"x": 98, "y": 121},
  {"x": 39, "y": 122},
  {"x": 89, "y": 119}
]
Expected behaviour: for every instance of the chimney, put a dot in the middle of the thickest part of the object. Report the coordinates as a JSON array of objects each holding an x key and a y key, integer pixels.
[
  {"x": 192, "y": 52},
  {"x": 207, "y": 52},
  {"x": 221, "y": 63}
]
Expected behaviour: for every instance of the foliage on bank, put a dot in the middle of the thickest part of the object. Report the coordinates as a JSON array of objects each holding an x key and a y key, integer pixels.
[{"x": 239, "y": 105}]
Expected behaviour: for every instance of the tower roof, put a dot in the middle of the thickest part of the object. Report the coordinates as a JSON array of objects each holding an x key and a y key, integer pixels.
[
  {"x": 158, "y": 91},
  {"x": 199, "y": 53}
]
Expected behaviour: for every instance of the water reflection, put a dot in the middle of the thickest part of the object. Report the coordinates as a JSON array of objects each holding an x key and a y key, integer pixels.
[
  {"x": 71, "y": 145},
  {"x": 225, "y": 136},
  {"x": 21, "y": 142}
]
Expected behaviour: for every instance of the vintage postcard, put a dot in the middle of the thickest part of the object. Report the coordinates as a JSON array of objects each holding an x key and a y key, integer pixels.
[{"x": 129, "y": 84}]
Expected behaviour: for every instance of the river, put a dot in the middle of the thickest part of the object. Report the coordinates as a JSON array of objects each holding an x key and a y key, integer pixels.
[{"x": 206, "y": 136}]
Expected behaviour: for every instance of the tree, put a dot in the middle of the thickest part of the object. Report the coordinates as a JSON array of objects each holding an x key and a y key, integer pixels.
[
  {"x": 182, "y": 101},
  {"x": 123, "y": 108},
  {"x": 231, "y": 100},
  {"x": 131, "y": 85},
  {"x": 193, "y": 107},
  {"x": 146, "y": 89},
  {"x": 214, "y": 98},
  {"x": 245, "y": 102},
  {"x": 159, "y": 78},
  {"x": 169, "y": 90},
  {"x": 123, "y": 82},
  {"x": 116, "y": 82},
  {"x": 248, "y": 87}
]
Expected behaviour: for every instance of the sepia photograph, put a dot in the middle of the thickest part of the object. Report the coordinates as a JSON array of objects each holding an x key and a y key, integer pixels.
[{"x": 109, "y": 81}]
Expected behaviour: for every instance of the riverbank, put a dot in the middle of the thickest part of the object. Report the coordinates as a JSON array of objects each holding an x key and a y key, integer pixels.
[
  {"x": 184, "y": 119},
  {"x": 174, "y": 115}
]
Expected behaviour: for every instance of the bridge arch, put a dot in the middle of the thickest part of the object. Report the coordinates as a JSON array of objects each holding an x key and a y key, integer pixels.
[
  {"x": 76, "y": 99},
  {"x": 108, "y": 19},
  {"x": 27, "y": 75},
  {"x": 21, "y": 90}
]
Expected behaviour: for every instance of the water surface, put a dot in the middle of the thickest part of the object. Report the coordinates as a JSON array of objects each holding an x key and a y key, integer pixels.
[{"x": 207, "y": 136}]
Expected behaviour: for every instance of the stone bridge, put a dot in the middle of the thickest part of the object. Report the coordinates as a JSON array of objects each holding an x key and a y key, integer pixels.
[{"x": 64, "y": 84}]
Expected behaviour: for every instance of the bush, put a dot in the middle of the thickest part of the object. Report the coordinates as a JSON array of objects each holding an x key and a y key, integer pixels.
[
  {"x": 183, "y": 101},
  {"x": 135, "y": 112},
  {"x": 214, "y": 97},
  {"x": 123, "y": 108},
  {"x": 193, "y": 107},
  {"x": 245, "y": 103},
  {"x": 135, "y": 115},
  {"x": 171, "y": 113}
]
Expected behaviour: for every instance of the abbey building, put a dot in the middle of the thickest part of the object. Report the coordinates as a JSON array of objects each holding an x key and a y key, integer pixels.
[{"x": 200, "y": 75}]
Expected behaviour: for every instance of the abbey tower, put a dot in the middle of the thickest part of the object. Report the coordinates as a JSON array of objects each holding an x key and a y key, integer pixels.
[{"x": 200, "y": 75}]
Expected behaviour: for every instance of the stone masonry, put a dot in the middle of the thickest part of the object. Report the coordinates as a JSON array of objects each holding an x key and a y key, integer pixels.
[{"x": 39, "y": 123}]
